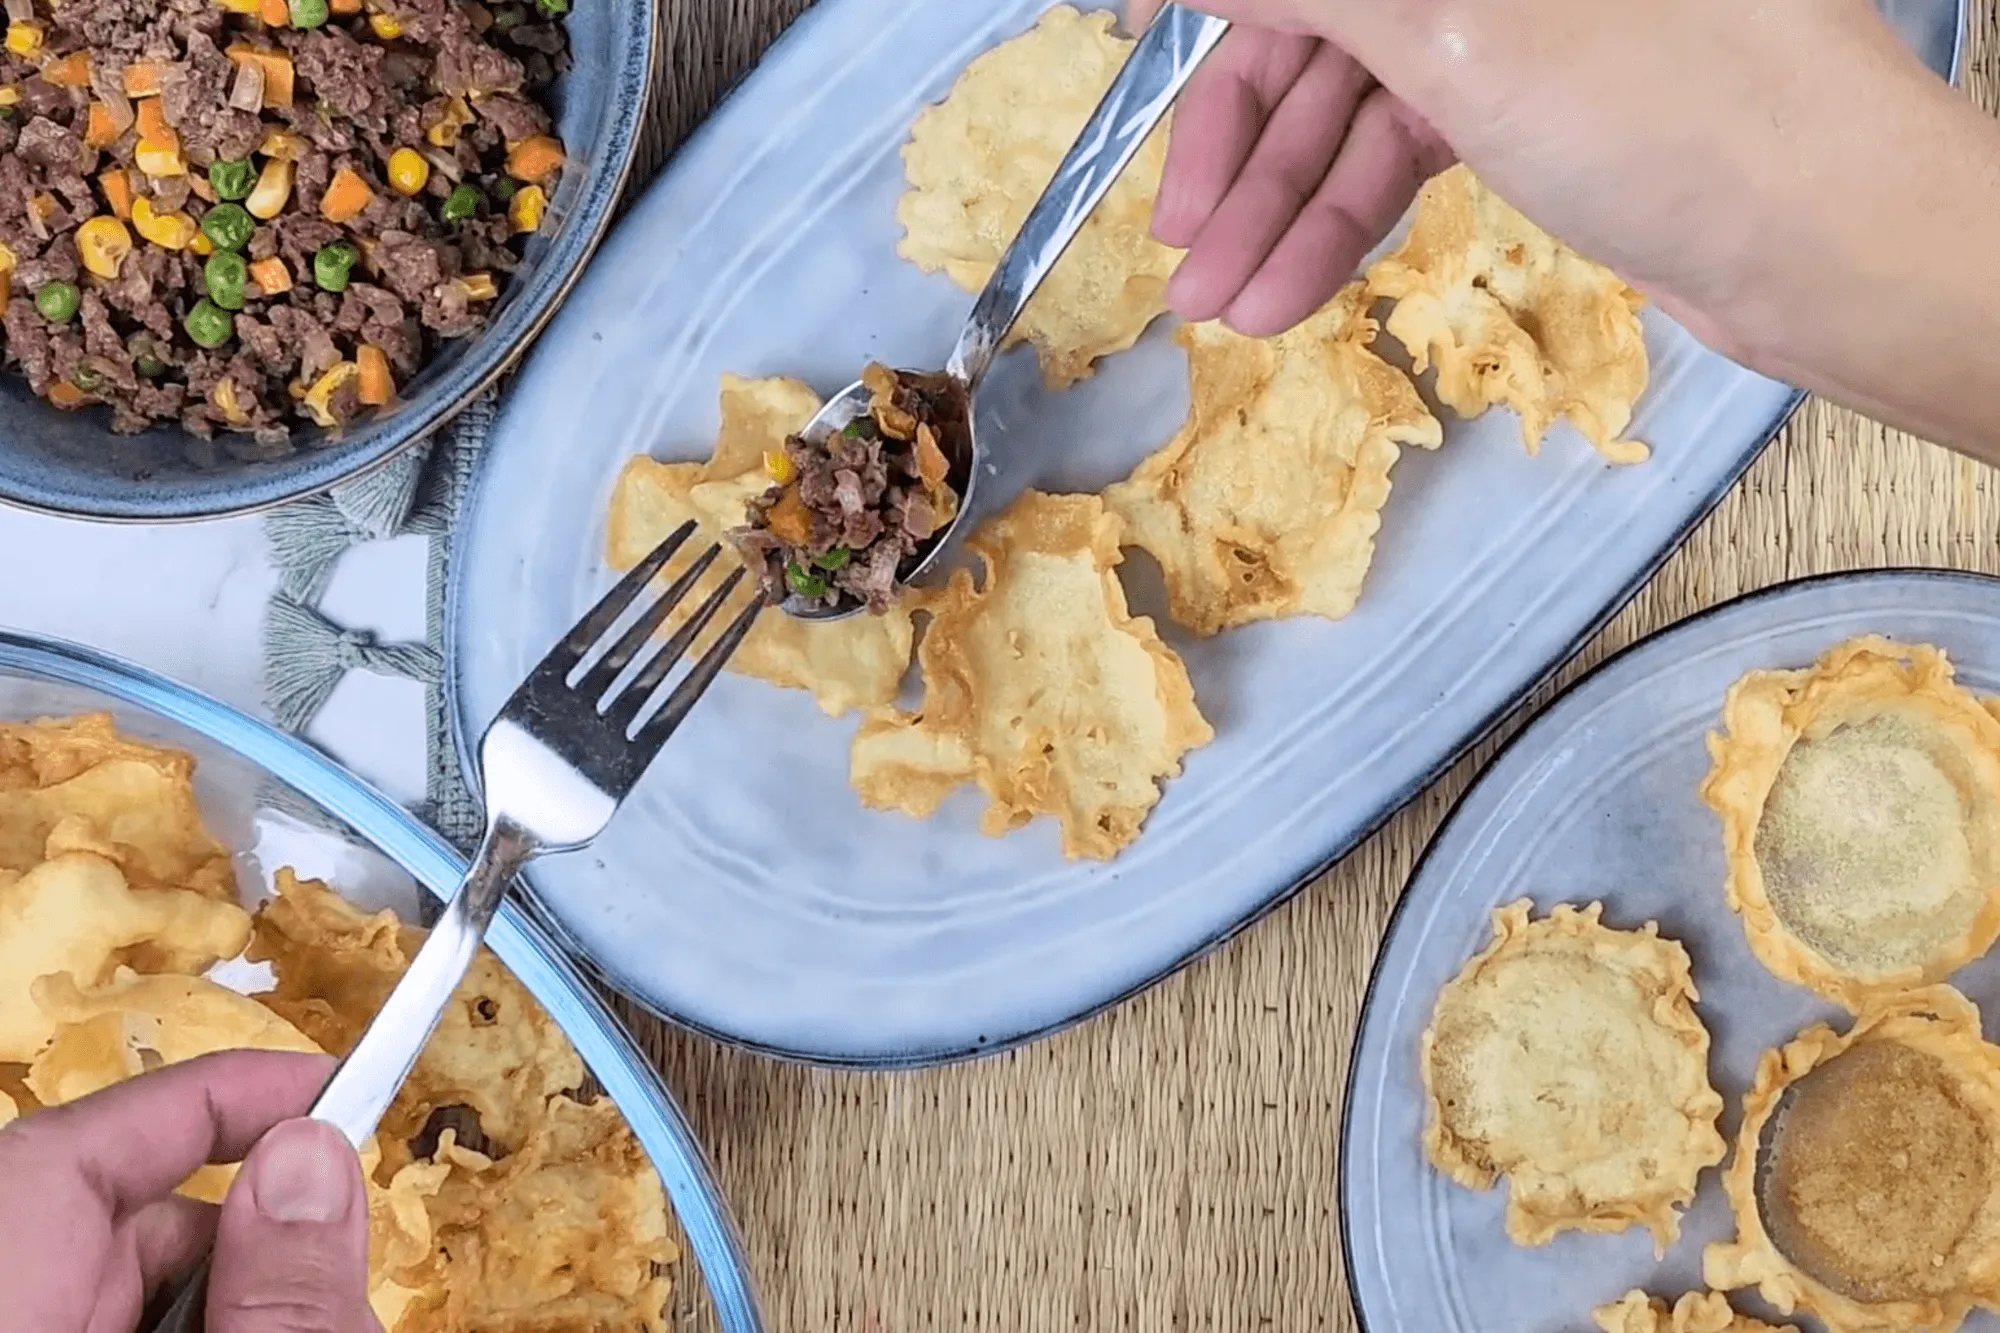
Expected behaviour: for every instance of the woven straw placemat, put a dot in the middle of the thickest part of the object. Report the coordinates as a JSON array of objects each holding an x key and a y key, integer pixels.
[{"x": 1171, "y": 1165}]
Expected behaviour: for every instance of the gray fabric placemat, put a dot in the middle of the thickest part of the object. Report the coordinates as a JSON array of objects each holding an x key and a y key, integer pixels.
[{"x": 306, "y": 654}]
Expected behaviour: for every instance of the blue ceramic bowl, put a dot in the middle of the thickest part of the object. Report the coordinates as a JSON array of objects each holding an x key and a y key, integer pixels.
[
  {"x": 70, "y": 463},
  {"x": 284, "y": 803}
]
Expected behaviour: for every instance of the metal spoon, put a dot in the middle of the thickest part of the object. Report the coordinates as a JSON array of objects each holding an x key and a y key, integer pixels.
[{"x": 1172, "y": 48}]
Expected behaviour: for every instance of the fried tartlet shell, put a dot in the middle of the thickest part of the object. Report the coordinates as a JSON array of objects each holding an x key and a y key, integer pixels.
[{"x": 1567, "y": 1057}]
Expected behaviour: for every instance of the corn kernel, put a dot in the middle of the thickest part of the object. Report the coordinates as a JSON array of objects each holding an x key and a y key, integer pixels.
[
  {"x": 172, "y": 231},
  {"x": 25, "y": 37},
  {"x": 274, "y": 187},
  {"x": 282, "y": 144},
  {"x": 239, "y": 6},
  {"x": 223, "y": 395},
  {"x": 10, "y": 94},
  {"x": 318, "y": 397},
  {"x": 201, "y": 245},
  {"x": 102, "y": 244},
  {"x": 385, "y": 27},
  {"x": 778, "y": 466},
  {"x": 8, "y": 259},
  {"x": 158, "y": 157},
  {"x": 525, "y": 209},
  {"x": 478, "y": 286},
  {"x": 457, "y": 115},
  {"x": 408, "y": 171}
]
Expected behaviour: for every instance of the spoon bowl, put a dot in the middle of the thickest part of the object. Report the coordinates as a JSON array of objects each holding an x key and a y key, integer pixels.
[
  {"x": 961, "y": 449},
  {"x": 1167, "y": 55}
]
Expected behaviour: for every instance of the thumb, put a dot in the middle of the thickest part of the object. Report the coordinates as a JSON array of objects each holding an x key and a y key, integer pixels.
[{"x": 291, "y": 1246}]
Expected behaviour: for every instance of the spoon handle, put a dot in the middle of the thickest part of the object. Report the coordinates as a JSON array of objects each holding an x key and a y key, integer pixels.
[{"x": 1172, "y": 48}]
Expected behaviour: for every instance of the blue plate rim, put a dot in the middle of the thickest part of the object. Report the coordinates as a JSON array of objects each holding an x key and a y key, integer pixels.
[
  {"x": 606, "y": 1046},
  {"x": 1547, "y": 714}
]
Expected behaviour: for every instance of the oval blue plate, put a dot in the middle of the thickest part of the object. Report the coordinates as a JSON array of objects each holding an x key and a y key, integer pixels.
[{"x": 744, "y": 891}]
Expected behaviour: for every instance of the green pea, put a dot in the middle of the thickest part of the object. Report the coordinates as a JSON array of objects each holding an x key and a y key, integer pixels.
[
  {"x": 87, "y": 378},
  {"x": 803, "y": 583},
  {"x": 232, "y": 180},
  {"x": 225, "y": 273},
  {"x": 835, "y": 560},
  {"x": 307, "y": 13},
  {"x": 552, "y": 9},
  {"x": 853, "y": 429},
  {"x": 507, "y": 17},
  {"x": 331, "y": 264},
  {"x": 149, "y": 367},
  {"x": 503, "y": 189},
  {"x": 57, "y": 301},
  {"x": 228, "y": 225},
  {"x": 461, "y": 203},
  {"x": 208, "y": 324}
]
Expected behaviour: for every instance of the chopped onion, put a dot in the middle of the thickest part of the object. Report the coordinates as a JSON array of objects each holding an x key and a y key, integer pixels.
[
  {"x": 109, "y": 85},
  {"x": 247, "y": 93},
  {"x": 20, "y": 11},
  {"x": 445, "y": 164}
]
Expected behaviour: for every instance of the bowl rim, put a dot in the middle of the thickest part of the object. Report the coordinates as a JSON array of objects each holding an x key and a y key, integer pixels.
[
  {"x": 606, "y": 1045},
  {"x": 311, "y": 472}
]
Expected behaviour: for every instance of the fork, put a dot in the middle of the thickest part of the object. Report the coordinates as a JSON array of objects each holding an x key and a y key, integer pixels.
[{"x": 556, "y": 764}]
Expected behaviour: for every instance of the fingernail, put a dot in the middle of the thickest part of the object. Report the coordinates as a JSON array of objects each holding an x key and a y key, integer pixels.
[{"x": 303, "y": 1171}]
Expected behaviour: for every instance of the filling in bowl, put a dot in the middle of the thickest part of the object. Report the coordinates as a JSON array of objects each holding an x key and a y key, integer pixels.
[{"x": 252, "y": 214}]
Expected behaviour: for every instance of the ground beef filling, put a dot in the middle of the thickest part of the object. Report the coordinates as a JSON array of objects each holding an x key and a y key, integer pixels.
[
  {"x": 250, "y": 215},
  {"x": 848, "y": 513}
]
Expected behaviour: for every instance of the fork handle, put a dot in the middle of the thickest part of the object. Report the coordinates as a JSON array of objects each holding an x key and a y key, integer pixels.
[
  {"x": 1166, "y": 57},
  {"x": 358, "y": 1095},
  {"x": 355, "y": 1098}
]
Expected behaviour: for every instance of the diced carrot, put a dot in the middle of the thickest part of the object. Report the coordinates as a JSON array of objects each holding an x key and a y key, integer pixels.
[
  {"x": 6, "y": 287},
  {"x": 346, "y": 6},
  {"x": 346, "y": 195},
  {"x": 534, "y": 159},
  {"x": 66, "y": 395},
  {"x": 275, "y": 13},
  {"x": 789, "y": 518},
  {"x": 152, "y": 120},
  {"x": 117, "y": 191},
  {"x": 272, "y": 277},
  {"x": 100, "y": 131},
  {"x": 143, "y": 78},
  {"x": 377, "y": 385},
  {"x": 70, "y": 71},
  {"x": 277, "y": 78}
]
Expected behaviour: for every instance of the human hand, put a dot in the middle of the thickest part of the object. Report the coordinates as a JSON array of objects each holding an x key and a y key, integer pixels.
[
  {"x": 1785, "y": 179},
  {"x": 94, "y": 1229},
  {"x": 1288, "y": 163},
  {"x": 1674, "y": 140}
]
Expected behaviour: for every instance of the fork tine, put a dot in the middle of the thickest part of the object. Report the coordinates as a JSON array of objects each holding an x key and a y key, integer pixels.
[
  {"x": 605, "y": 614},
  {"x": 630, "y": 702},
  {"x": 686, "y": 694},
  {"x": 601, "y": 676}
]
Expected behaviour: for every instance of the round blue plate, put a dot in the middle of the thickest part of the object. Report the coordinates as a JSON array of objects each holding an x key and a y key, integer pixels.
[{"x": 1595, "y": 801}]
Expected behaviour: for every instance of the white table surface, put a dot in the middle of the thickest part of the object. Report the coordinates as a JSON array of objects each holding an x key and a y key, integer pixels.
[{"x": 189, "y": 601}]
